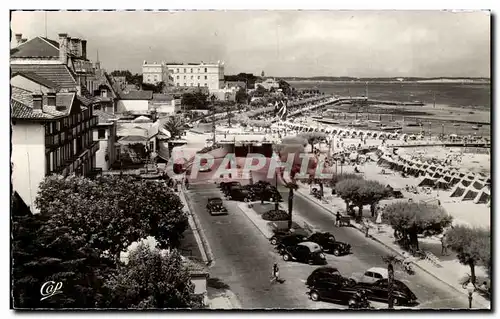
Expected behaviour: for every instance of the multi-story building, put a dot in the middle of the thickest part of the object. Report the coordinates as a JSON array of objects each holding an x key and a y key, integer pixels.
[
  {"x": 51, "y": 134},
  {"x": 210, "y": 75},
  {"x": 105, "y": 135},
  {"x": 153, "y": 73}
]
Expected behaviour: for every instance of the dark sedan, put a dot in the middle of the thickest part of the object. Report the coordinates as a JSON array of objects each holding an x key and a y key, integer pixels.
[
  {"x": 226, "y": 186},
  {"x": 329, "y": 244},
  {"x": 306, "y": 252},
  {"x": 279, "y": 236},
  {"x": 237, "y": 193},
  {"x": 215, "y": 206},
  {"x": 331, "y": 292},
  {"x": 379, "y": 291},
  {"x": 325, "y": 273}
]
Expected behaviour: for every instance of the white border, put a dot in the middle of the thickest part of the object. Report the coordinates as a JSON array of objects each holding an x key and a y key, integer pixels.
[{"x": 176, "y": 4}]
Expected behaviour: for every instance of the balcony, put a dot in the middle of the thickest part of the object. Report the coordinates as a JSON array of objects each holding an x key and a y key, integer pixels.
[{"x": 94, "y": 147}]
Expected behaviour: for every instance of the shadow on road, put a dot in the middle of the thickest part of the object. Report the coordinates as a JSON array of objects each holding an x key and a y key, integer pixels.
[{"x": 216, "y": 283}]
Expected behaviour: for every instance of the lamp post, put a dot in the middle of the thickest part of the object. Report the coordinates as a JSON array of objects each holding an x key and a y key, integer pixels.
[
  {"x": 470, "y": 289},
  {"x": 213, "y": 98}
]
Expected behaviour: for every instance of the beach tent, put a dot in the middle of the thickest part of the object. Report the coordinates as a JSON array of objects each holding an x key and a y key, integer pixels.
[
  {"x": 461, "y": 174},
  {"x": 454, "y": 181},
  {"x": 437, "y": 175},
  {"x": 465, "y": 183},
  {"x": 427, "y": 181},
  {"x": 432, "y": 168},
  {"x": 471, "y": 177},
  {"x": 477, "y": 185},
  {"x": 470, "y": 194},
  {"x": 447, "y": 178},
  {"x": 483, "y": 197},
  {"x": 457, "y": 191},
  {"x": 441, "y": 183}
]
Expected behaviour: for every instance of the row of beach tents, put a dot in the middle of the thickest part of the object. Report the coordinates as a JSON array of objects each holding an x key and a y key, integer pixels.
[{"x": 465, "y": 186}]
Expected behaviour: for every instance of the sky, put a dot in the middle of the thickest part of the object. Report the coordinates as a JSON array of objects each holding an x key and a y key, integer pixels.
[{"x": 280, "y": 43}]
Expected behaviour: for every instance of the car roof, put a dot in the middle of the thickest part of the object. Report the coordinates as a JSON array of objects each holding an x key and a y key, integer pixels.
[
  {"x": 309, "y": 244},
  {"x": 326, "y": 269},
  {"x": 214, "y": 199},
  {"x": 380, "y": 270}
]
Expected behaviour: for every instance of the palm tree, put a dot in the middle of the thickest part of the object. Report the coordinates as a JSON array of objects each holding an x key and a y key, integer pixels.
[
  {"x": 391, "y": 260},
  {"x": 175, "y": 125}
]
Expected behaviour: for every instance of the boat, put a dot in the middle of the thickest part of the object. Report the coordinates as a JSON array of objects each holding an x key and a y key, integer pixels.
[
  {"x": 475, "y": 127},
  {"x": 390, "y": 128}
]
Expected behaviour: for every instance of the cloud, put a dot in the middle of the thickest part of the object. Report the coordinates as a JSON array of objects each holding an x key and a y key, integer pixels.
[{"x": 283, "y": 43}]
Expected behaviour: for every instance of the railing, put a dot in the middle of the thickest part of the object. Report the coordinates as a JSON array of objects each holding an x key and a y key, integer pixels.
[{"x": 94, "y": 147}]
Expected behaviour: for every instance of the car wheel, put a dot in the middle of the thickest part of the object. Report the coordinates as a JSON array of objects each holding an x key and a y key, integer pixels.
[
  {"x": 274, "y": 241},
  {"x": 336, "y": 252},
  {"x": 286, "y": 257},
  {"x": 395, "y": 301},
  {"x": 314, "y": 296}
]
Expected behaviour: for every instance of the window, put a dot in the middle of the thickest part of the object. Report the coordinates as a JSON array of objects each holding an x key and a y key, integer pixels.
[
  {"x": 206, "y": 77},
  {"x": 101, "y": 133},
  {"x": 178, "y": 84},
  {"x": 191, "y": 70},
  {"x": 177, "y": 71},
  {"x": 191, "y": 77},
  {"x": 177, "y": 77},
  {"x": 377, "y": 276},
  {"x": 151, "y": 146},
  {"x": 198, "y": 77},
  {"x": 185, "y": 71},
  {"x": 184, "y": 83},
  {"x": 205, "y": 70},
  {"x": 206, "y": 84},
  {"x": 184, "y": 77}
]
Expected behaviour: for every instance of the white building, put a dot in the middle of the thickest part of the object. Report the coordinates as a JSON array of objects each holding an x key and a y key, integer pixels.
[
  {"x": 135, "y": 102},
  {"x": 105, "y": 133},
  {"x": 153, "y": 73},
  {"x": 268, "y": 84},
  {"x": 209, "y": 75}
]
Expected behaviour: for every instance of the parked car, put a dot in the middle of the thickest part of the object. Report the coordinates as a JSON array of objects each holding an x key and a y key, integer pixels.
[
  {"x": 331, "y": 292},
  {"x": 290, "y": 240},
  {"x": 215, "y": 206},
  {"x": 279, "y": 235},
  {"x": 226, "y": 186},
  {"x": 379, "y": 291},
  {"x": 328, "y": 242},
  {"x": 325, "y": 273},
  {"x": 237, "y": 193},
  {"x": 306, "y": 252},
  {"x": 370, "y": 276}
]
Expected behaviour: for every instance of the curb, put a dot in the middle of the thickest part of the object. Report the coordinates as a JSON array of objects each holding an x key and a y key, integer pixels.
[
  {"x": 253, "y": 222},
  {"x": 197, "y": 230},
  {"x": 395, "y": 251}
]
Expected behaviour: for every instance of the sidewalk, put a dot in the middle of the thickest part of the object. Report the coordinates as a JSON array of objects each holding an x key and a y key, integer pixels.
[
  {"x": 222, "y": 300},
  {"x": 448, "y": 270}
]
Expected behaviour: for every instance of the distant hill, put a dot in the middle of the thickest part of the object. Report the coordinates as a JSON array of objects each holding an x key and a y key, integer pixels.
[{"x": 390, "y": 79}]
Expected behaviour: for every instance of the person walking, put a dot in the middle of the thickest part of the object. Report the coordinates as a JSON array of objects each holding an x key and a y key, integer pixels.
[
  {"x": 444, "y": 246},
  {"x": 275, "y": 273},
  {"x": 338, "y": 219}
]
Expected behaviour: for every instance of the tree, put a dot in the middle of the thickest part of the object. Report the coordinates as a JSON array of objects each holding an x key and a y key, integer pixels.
[
  {"x": 372, "y": 192},
  {"x": 241, "y": 96},
  {"x": 110, "y": 212},
  {"x": 260, "y": 91},
  {"x": 391, "y": 260},
  {"x": 313, "y": 138},
  {"x": 42, "y": 253},
  {"x": 196, "y": 100},
  {"x": 349, "y": 191},
  {"x": 472, "y": 246},
  {"x": 412, "y": 219},
  {"x": 175, "y": 125},
  {"x": 152, "y": 280}
]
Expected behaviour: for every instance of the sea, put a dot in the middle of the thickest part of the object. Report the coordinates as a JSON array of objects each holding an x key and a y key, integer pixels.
[{"x": 466, "y": 95}]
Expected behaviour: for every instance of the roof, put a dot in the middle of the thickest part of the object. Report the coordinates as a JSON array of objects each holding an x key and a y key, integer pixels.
[
  {"x": 22, "y": 105},
  {"x": 312, "y": 246},
  {"x": 55, "y": 73},
  {"x": 162, "y": 97},
  {"x": 133, "y": 138},
  {"x": 137, "y": 95},
  {"x": 105, "y": 118},
  {"x": 38, "y": 79},
  {"x": 36, "y": 47}
]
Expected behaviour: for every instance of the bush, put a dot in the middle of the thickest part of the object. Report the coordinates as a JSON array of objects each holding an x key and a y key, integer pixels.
[{"x": 274, "y": 215}]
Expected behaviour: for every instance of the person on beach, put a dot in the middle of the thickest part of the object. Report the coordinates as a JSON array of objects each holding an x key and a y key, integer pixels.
[{"x": 275, "y": 273}]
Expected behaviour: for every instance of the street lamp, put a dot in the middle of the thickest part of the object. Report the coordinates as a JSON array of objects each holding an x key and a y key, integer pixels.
[{"x": 470, "y": 289}]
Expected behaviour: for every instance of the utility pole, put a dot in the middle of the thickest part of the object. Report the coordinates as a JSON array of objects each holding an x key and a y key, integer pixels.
[{"x": 213, "y": 98}]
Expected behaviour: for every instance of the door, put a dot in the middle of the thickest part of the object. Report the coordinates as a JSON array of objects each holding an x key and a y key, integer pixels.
[
  {"x": 368, "y": 277},
  {"x": 381, "y": 290},
  {"x": 302, "y": 253}
]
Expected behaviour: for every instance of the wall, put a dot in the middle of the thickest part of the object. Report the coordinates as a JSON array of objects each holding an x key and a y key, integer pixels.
[
  {"x": 28, "y": 156},
  {"x": 194, "y": 75},
  {"x": 200, "y": 284},
  {"x": 167, "y": 107},
  {"x": 24, "y": 83},
  {"x": 132, "y": 106}
]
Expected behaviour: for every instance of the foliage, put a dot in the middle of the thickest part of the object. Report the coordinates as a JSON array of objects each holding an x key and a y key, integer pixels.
[
  {"x": 274, "y": 215},
  {"x": 152, "y": 280},
  {"x": 197, "y": 100},
  {"x": 109, "y": 213},
  {"x": 241, "y": 96},
  {"x": 361, "y": 192},
  {"x": 248, "y": 78},
  {"x": 313, "y": 138},
  {"x": 412, "y": 219},
  {"x": 472, "y": 246},
  {"x": 41, "y": 253},
  {"x": 175, "y": 125},
  {"x": 260, "y": 91},
  {"x": 339, "y": 177},
  {"x": 129, "y": 77}
]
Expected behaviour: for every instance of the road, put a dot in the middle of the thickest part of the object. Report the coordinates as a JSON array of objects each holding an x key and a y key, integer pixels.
[{"x": 244, "y": 257}]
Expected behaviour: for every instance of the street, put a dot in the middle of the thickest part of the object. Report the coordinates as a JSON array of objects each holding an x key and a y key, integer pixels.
[{"x": 244, "y": 257}]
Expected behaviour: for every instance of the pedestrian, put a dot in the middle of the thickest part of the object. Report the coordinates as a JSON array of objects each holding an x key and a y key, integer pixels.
[
  {"x": 338, "y": 219},
  {"x": 275, "y": 273},
  {"x": 186, "y": 183},
  {"x": 444, "y": 246}
]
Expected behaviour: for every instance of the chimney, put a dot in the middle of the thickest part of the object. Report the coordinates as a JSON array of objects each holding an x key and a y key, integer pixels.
[
  {"x": 74, "y": 47},
  {"x": 84, "y": 49},
  {"x": 63, "y": 48},
  {"x": 19, "y": 38},
  {"x": 78, "y": 47},
  {"x": 51, "y": 98},
  {"x": 37, "y": 102}
]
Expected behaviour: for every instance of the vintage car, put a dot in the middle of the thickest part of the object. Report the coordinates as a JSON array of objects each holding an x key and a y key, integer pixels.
[
  {"x": 305, "y": 252},
  {"x": 215, "y": 206},
  {"x": 237, "y": 193},
  {"x": 329, "y": 244},
  {"x": 330, "y": 291},
  {"x": 279, "y": 235},
  {"x": 379, "y": 291},
  {"x": 370, "y": 276},
  {"x": 325, "y": 273},
  {"x": 226, "y": 186},
  {"x": 290, "y": 240}
]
